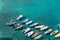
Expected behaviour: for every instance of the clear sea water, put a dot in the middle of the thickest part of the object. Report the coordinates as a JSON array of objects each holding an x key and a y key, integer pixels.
[{"x": 43, "y": 11}]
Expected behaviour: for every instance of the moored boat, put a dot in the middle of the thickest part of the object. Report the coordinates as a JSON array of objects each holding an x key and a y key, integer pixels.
[
  {"x": 29, "y": 22},
  {"x": 57, "y": 35},
  {"x": 35, "y": 34},
  {"x": 39, "y": 26},
  {"x": 26, "y": 30},
  {"x": 11, "y": 23},
  {"x": 25, "y": 20},
  {"x": 19, "y": 17},
  {"x": 44, "y": 28},
  {"x": 34, "y": 24},
  {"x": 48, "y": 31},
  {"x": 29, "y": 34},
  {"x": 19, "y": 27},
  {"x": 54, "y": 32},
  {"x": 38, "y": 37}
]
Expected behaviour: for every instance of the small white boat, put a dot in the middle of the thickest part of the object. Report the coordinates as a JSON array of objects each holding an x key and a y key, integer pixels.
[
  {"x": 26, "y": 30},
  {"x": 57, "y": 35},
  {"x": 54, "y": 32},
  {"x": 34, "y": 24},
  {"x": 29, "y": 34},
  {"x": 44, "y": 28},
  {"x": 39, "y": 26},
  {"x": 38, "y": 37},
  {"x": 48, "y": 31},
  {"x": 19, "y": 17},
  {"x": 35, "y": 34},
  {"x": 16, "y": 25},
  {"x": 25, "y": 20},
  {"x": 29, "y": 22},
  {"x": 18, "y": 28}
]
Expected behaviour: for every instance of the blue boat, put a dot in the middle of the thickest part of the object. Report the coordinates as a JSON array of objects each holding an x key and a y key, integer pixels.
[
  {"x": 34, "y": 24},
  {"x": 25, "y": 20},
  {"x": 10, "y": 23},
  {"x": 29, "y": 22}
]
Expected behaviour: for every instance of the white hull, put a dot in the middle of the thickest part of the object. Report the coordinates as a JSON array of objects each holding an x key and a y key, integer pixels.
[
  {"x": 17, "y": 28},
  {"x": 34, "y": 24},
  {"x": 54, "y": 32},
  {"x": 29, "y": 34},
  {"x": 26, "y": 30},
  {"x": 48, "y": 31},
  {"x": 41, "y": 26},
  {"x": 19, "y": 17},
  {"x": 44, "y": 28},
  {"x": 38, "y": 37},
  {"x": 57, "y": 35},
  {"x": 29, "y": 22}
]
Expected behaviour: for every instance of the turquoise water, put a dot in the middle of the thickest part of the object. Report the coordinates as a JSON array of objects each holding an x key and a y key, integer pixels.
[{"x": 43, "y": 11}]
